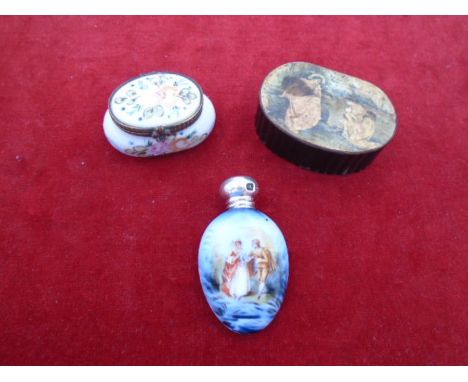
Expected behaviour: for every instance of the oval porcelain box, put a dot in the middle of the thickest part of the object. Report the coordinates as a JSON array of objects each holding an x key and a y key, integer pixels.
[
  {"x": 158, "y": 113},
  {"x": 324, "y": 120}
]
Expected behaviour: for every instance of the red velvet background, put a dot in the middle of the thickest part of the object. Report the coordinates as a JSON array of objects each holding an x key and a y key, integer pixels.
[{"x": 98, "y": 257}]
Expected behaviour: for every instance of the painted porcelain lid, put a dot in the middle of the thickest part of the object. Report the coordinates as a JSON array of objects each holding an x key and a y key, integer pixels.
[
  {"x": 155, "y": 104},
  {"x": 326, "y": 109}
]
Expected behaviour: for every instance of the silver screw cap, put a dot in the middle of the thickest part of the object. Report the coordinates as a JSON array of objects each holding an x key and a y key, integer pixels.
[{"x": 239, "y": 191}]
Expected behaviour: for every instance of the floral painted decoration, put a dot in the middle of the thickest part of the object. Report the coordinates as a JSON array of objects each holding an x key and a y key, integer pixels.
[
  {"x": 156, "y": 100},
  {"x": 170, "y": 144}
]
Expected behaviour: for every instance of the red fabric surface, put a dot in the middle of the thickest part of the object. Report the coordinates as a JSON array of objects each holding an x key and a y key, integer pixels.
[{"x": 98, "y": 259}]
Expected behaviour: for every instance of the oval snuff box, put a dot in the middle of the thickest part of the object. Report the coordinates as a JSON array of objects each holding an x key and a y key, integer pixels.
[
  {"x": 158, "y": 113},
  {"x": 324, "y": 120}
]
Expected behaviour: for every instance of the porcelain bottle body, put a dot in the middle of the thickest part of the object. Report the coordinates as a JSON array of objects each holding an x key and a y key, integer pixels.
[{"x": 244, "y": 268}]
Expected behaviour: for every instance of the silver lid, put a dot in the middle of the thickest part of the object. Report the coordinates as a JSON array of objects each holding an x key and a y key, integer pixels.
[{"x": 239, "y": 191}]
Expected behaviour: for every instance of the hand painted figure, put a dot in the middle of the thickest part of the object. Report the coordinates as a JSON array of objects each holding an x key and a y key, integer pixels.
[
  {"x": 237, "y": 272},
  {"x": 359, "y": 125},
  {"x": 265, "y": 264},
  {"x": 304, "y": 96}
]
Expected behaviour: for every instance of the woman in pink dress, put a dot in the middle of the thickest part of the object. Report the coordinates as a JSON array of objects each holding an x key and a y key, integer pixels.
[{"x": 230, "y": 268}]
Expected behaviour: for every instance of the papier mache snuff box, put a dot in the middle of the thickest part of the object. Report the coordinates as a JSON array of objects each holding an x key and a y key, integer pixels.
[
  {"x": 158, "y": 113},
  {"x": 324, "y": 120},
  {"x": 243, "y": 261}
]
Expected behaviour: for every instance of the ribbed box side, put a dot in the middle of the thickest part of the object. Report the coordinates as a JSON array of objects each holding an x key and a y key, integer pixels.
[{"x": 307, "y": 156}]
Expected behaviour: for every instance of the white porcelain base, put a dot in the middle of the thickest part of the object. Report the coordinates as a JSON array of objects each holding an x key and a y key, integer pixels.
[{"x": 140, "y": 146}]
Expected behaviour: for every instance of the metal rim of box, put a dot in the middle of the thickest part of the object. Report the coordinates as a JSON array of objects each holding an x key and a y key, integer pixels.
[{"x": 157, "y": 131}]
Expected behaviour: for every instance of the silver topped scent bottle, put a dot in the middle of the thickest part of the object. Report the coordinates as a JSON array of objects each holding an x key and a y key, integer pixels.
[{"x": 243, "y": 261}]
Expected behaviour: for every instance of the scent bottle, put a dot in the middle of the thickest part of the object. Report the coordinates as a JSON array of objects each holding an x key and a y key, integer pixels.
[{"x": 243, "y": 261}]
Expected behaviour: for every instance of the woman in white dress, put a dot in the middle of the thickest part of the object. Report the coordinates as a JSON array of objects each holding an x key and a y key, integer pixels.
[{"x": 240, "y": 285}]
